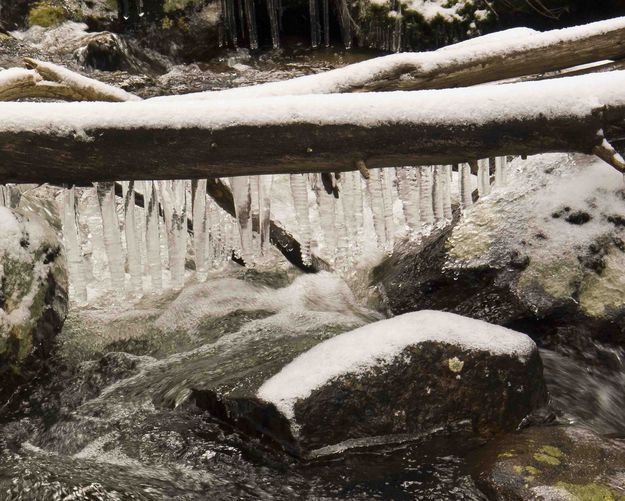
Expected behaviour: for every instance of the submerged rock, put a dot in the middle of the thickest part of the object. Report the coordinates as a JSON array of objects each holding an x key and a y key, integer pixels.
[
  {"x": 541, "y": 255},
  {"x": 552, "y": 463},
  {"x": 33, "y": 295}
]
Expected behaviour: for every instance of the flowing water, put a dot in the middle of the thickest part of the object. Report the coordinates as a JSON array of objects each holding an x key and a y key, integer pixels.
[{"x": 110, "y": 420}]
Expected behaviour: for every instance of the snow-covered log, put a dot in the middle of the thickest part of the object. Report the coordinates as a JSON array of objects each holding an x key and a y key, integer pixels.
[
  {"x": 497, "y": 56},
  {"x": 79, "y": 142}
]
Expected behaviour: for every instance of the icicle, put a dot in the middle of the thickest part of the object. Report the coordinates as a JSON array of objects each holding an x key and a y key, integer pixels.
[
  {"x": 272, "y": 10},
  {"x": 199, "y": 224},
  {"x": 327, "y": 218},
  {"x": 215, "y": 253},
  {"x": 325, "y": 12},
  {"x": 345, "y": 22},
  {"x": 71, "y": 238},
  {"x": 376, "y": 202},
  {"x": 466, "y": 186},
  {"x": 243, "y": 206},
  {"x": 397, "y": 28},
  {"x": 425, "y": 195},
  {"x": 314, "y": 23},
  {"x": 299, "y": 190},
  {"x": 3, "y": 196},
  {"x": 341, "y": 259},
  {"x": 153, "y": 245},
  {"x": 256, "y": 194},
  {"x": 438, "y": 194},
  {"x": 130, "y": 230},
  {"x": 112, "y": 237},
  {"x": 483, "y": 177},
  {"x": 347, "y": 198},
  {"x": 386, "y": 179},
  {"x": 174, "y": 203},
  {"x": 447, "y": 192},
  {"x": 408, "y": 189},
  {"x": 250, "y": 17},
  {"x": 500, "y": 171},
  {"x": 266, "y": 183},
  {"x": 358, "y": 212}
]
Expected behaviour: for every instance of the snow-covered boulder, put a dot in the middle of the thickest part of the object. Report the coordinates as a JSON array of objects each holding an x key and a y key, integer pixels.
[
  {"x": 33, "y": 294},
  {"x": 405, "y": 376},
  {"x": 546, "y": 252}
]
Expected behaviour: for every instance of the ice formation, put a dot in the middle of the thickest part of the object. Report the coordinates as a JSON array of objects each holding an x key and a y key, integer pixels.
[{"x": 148, "y": 231}]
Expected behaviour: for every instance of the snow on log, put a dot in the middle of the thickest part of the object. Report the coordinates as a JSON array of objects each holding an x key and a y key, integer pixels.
[
  {"x": 497, "y": 56},
  {"x": 83, "y": 142}
]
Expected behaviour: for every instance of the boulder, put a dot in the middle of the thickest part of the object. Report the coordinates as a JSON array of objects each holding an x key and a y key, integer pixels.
[
  {"x": 407, "y": 376},
  {"x": 552, "y": 464},
  {"x": 541, "y": 255},
  {"x": 33, "y": 295}
]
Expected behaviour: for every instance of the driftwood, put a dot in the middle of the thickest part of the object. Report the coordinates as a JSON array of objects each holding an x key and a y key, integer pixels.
[{"x": 146, "y": 140}]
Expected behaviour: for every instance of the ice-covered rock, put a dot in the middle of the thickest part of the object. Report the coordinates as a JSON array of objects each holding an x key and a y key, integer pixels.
[
  {"x": 545, "y": 252},
  {"x": 33, "y": 294}
]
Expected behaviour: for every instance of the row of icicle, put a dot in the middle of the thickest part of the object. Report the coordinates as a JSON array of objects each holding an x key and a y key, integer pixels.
[
  {"x": 239, "y": 22},
  {"x": 148, "y": 248}
]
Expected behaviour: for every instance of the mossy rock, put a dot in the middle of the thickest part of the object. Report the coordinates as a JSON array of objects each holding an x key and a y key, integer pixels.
[
  {"x": 33, "y": 295},
  {"x": 552, "y": 463},
  {"x": 46, "y": 14}
]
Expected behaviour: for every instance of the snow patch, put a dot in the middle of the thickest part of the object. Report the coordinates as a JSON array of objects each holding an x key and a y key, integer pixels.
[{"x": 379, "y": 343}]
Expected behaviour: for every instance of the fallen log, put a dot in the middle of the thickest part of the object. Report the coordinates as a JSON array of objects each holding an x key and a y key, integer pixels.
[
  {"x": 78, "y": 142},
  {"x": 498, "y": 56}
]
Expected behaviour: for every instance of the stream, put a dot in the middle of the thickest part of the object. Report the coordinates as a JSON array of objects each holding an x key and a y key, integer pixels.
[{"x": 110, "y": 418}]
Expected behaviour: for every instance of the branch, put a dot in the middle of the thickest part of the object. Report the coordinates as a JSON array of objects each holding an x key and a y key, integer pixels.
[{"x": 80, "y": 87}]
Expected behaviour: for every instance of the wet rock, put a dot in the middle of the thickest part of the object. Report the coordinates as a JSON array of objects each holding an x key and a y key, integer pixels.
[
  {"x": 33, "y": 295},
  {"x": 388, "y": 381},
  {"x": 552, "y": 463},
  {"x": 187, "y": 32},
  {"x": 540, "y": 255}
]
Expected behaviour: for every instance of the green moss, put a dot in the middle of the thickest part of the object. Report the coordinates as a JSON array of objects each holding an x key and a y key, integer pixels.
[
  {"x": 46, "y": 14},
  {"x": 111, "y": 4},
  {"x": 546, "y": 458},
  {"x": 591, "y": 492},
  {"x": 551, "y": 451},
  {"x": 558, "y": 278}
]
